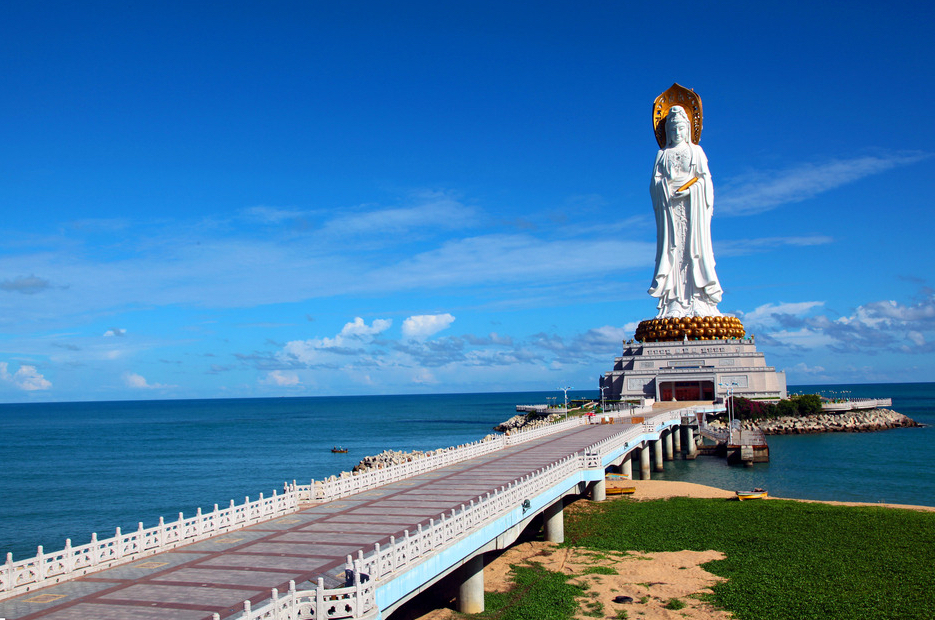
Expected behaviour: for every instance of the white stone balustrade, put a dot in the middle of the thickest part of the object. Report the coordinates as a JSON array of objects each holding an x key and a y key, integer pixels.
[
  {"x": 384, "y": 563},
  {"x": 48, "y": 568}
]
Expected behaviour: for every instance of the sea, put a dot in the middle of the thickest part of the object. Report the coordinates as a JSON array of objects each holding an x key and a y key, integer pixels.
[{"x": 70, "y": 469}]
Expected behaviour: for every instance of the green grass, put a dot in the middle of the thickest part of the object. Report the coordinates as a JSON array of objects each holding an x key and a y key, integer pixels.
[
  {"x": 539, "y": 594},
  {"x": 675, "y": 604},
  {"x": 785, "y": 560}
]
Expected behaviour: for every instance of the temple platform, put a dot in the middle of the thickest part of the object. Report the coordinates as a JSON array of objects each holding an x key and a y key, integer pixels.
[{"x": 692, "y": 370}]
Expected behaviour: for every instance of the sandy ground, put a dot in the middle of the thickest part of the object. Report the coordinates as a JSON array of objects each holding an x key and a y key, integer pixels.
[{"x": 649, "y": 579}]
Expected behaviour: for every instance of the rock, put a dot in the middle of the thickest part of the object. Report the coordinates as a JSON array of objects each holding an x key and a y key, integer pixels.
[{"x": 847, "y": 422}]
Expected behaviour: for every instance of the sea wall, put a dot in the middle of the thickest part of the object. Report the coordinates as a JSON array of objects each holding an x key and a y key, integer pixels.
[
  {"x": 527, "y": 422},
  {"x": 844, "y": 422},
  {"x": 395, "y": 457}
]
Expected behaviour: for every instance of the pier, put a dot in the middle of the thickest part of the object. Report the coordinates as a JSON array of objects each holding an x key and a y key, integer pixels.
[{"x": 355, "y": 546}]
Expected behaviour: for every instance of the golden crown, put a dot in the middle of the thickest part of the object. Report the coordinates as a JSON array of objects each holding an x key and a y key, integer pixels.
[{"x": 690, "y": 102}]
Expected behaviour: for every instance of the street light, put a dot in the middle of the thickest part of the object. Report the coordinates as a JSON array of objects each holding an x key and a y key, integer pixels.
[
  {"x": 603, "y": 409},
  {"x": 565, "y": 389},
  {"x": 730, "y": 407}
]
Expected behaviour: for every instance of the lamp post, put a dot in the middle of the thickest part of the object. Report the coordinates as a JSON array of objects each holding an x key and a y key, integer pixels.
[
  {"x": 730, "y": 407},
  {"x": 603, "y": 408},
  {"x": 565, "y": 389}
]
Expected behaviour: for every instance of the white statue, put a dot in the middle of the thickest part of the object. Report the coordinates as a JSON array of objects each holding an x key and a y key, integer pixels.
[{"x": 685, "y": 281}]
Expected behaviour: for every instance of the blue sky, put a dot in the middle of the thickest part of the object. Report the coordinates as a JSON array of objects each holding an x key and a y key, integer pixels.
[{"x": 260, "y": 199}]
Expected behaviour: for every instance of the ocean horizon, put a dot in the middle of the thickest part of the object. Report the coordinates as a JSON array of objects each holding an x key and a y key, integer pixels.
[{"x": 73, "y": 468}]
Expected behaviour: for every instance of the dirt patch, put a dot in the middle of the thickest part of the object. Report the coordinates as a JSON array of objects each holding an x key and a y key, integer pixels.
[{"x": 651, "y": 580}]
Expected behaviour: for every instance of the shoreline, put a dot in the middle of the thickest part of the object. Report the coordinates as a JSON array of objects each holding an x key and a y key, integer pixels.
[{"x": 647, "y": 490}]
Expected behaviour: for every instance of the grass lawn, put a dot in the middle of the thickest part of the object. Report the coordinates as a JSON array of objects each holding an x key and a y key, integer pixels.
[{"x": 785, "y": 559}]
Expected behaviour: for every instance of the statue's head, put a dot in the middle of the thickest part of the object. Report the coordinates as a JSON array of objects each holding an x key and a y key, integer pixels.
[{"x": 678, "y": 127}]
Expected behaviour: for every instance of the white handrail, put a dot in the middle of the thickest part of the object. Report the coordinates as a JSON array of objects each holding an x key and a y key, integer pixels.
[
  {"x": 382, "y": 563},
  {"x": 49, "y": 568}
]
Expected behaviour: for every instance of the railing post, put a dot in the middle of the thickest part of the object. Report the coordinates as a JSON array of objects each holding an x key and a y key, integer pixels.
[
  {"x": 40, "y": 565},
  {"x": 162, "y": 533},
  {"x": 118, "y": 545},
  {"x": 95, "y": 551},
  {"x": 69, "y": 559},
  {"x": 8, "y": 568},
  {"x": 320, "y": 599}
]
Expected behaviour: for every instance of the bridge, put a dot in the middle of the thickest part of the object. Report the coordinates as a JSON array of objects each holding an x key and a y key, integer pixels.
[{"x": 353, "y": 546}]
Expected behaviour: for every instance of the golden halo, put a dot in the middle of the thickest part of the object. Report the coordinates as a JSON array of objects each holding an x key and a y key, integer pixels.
[{"x": 677, "y": 95}]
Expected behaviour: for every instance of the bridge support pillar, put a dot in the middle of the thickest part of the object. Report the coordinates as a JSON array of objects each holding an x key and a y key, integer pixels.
[
  {"x": 644, "y": 462},
  {"x": 657, "y": 460},
  {"x": 677, "y": 440},
  {"x": 599, "y": 490},
  {"x": 626, "y": 468},
  {"x": 554, "y": 521},
  {"x": 471, "y": 591},
  {"x": 667, "y": 444},
  {"x": 690, "y": 440}
]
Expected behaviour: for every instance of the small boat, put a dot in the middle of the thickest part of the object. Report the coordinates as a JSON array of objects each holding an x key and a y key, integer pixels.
[
  {"x": 755, "y": 494},
  {"x": 339, "y": 450},
  {"x": 620, "y": 490},
  {"x": 617, "y": 477}
]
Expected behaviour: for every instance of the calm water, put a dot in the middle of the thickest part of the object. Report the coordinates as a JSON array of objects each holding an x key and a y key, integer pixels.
[
  {"x": 887, "y": 466},
  {"x": 70, "y": 469}
]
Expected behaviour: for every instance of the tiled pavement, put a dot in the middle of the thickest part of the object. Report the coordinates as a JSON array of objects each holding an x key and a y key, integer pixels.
[{"x": 218, "y": 574}]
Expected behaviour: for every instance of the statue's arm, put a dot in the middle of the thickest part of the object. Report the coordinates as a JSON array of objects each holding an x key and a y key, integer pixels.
[
  {"x": 659, "y": 186},
  {"x": 705, "y": 176}
]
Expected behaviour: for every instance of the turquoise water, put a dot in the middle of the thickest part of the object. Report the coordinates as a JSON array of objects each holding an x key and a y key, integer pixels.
[
  {"x": 892, "y": 466},
  {"x": 70, "y": 469}
]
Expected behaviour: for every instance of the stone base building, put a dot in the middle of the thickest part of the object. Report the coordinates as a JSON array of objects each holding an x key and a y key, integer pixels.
[{"x": 692, "y": 370}]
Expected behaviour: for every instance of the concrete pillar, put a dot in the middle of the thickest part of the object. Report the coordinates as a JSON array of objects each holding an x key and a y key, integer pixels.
[
  {"x": 677, "y": 439},
  {"x": 554, "y": 521},
  {"x": 471, "y": 591},
  {"x": 627, "y": 467},
  {"x": 644, "y": 462},
  {"x": 657, "y": 456},
  {"x": 599, "y": 490},
  {"x": 667, "y": 444},
  {"x": 690, "y": 440}
]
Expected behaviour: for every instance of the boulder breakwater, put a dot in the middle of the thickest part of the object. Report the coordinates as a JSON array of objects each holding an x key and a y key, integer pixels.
[{"x": 844, "y": 422}]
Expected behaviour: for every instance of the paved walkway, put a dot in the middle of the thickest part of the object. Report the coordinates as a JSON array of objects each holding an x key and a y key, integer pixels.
[{"x": 218, "y": 574}]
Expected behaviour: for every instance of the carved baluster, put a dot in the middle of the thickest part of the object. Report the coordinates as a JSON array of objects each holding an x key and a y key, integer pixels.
[{"x": 320, "y": 611}]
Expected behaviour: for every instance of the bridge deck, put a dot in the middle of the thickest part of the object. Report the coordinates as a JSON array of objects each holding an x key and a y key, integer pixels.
[{"x": 216, "y": 575}]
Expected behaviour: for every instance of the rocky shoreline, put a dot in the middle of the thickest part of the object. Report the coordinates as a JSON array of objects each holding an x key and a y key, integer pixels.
[
  {"x": 388, "y": 458},
  {"x": 527, "y": 422},
  {"x": 844, "y": 422}
]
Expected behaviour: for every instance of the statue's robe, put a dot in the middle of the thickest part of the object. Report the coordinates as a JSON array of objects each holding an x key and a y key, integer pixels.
[{"x": 685, "y": 280}]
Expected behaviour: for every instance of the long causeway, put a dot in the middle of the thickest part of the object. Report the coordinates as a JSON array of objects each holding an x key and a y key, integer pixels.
[{"x": 310, "y": 548}]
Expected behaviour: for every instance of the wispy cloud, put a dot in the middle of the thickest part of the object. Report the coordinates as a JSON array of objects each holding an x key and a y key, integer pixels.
[
  {"x": 27, "y": 285},
  {"x": 875, "y": 327},
  {"x": 764, "y": 190}
]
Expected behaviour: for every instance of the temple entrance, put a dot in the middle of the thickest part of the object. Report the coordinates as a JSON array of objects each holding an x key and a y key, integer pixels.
[{"x": 686, "y": 390}]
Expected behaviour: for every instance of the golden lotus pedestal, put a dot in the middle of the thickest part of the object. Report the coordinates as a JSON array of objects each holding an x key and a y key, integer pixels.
[{"x": 690, "y": 328}]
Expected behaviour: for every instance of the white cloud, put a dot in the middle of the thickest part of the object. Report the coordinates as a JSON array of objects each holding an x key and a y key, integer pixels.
[
  {"x": 804, "y": 368},
  {"x": 281, "y": 379},
  {"x": 138, "y": 382},
  {"x": 360, "y": 330},
  {"x": 766, "y": 190},
  {"x": 26, "y": 378},
  {"x": 421, "y": 326},
  {"x": 766, "y": 314},
  {"x": 351, "y": 336},
  {"x": 115, "y": 331}
]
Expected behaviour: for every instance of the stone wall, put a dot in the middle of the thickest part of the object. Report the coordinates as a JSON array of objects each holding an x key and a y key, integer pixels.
[{"x": 844, "y": 422}]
